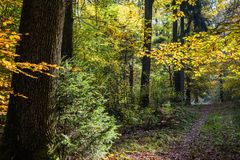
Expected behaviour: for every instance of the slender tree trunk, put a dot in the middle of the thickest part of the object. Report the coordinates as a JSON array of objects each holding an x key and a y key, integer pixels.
[
  {"x": 174, "y": 26},
  {"x": 170, "y": 76},
  {"x": 182, "y": 25},
  {"x": 196, "y": 97},
  {"x": 179, "y": 75},
  {"x": 188, "y": 90},
  {"x": 188, "y": 78},
  {"x": 175, "y": 39},
  {"x": 67, "y": 42},
  {"x": 30, "y": 121},
  {"x": 125, "y": 88},
  {"x": 131, "y": 78},
  {"x": 182, "y": 35},
  {"x": 146, "y": 61},
  {"x": 221, "y": 88}
]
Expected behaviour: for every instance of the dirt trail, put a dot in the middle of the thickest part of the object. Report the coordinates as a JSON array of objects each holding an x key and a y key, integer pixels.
[{"x": 181, "y": 150}]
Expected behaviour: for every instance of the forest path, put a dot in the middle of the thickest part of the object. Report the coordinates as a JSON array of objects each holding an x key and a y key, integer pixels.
[{"x": 180, "y": 150}]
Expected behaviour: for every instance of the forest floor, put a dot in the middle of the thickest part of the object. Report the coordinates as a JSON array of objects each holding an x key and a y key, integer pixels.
[{"x": 214, "y": 134}]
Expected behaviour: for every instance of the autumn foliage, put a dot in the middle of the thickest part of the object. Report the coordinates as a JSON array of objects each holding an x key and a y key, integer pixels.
[{"x": 9, "y": 39}]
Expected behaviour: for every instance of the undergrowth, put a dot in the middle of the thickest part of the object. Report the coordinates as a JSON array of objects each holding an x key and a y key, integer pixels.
[
  {"x": 220, "y": 136},
  {"x": 158, "y": 140}
]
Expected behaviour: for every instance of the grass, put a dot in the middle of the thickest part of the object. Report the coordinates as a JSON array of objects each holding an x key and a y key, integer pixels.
[{"x": 220, "y": 136}]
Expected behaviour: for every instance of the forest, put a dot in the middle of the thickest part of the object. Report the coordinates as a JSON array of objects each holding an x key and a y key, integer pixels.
[{"x": 119, "y": 80}]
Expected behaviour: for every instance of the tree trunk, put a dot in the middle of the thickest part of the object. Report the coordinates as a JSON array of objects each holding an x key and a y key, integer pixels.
[
  {"x": 146, "y": 61},
  {"x": 196, "y": 98},
  {"x": 170, "y": 77},
  {"x": 188, "y": 78},
  {"x": 131, "y": 78},
  {"x": 179, "y": 85},
  {"x": 182, "y": 35},
  {"x": 30, "y": 121},
  {"x": 188, "y": 90},
  {"x": 198, "y": 20},
  {"x": 174, "y": 26},
  {"x": 221, "y": 96},
  {"x": 179, "y": 75},
  {"x": 67, "y": 42}
]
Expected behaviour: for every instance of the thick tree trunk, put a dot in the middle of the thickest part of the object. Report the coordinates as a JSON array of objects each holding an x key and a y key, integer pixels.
[
  {"x": 146, "y": 61},
  {"x": 67, "y": 42},
  {"x": 30, "y": 121}
]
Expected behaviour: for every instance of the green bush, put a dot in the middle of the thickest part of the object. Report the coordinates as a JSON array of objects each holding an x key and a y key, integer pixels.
[{"x": 84, "y": 129}]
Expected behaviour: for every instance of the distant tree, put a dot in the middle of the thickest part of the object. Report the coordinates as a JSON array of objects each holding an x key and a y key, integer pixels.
[
  {"x": 194, "y": 14},
  {"x": 28, "y": 131},
  {"x": 178, "y": 75},
  {"x": 146, "y": 61}
]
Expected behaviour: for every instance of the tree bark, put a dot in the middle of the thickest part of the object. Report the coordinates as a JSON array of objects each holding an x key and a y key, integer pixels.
[
  {"x": 174, "y": 26},
  {"x": 221, "y": 94},
  {"x": 30, "y": 121},
  {"x": 131, "y": 77},
  {"x": 188, "y": 90},
  {"x": 178, "y": 75},
  {"x": 67, "y": 42},
  {"x": 188, "y": 78},
  {"x": 146, "y": 61}
]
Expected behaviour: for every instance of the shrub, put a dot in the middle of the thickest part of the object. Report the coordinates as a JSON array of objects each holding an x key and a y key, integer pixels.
[{"x": 84, "y": 130}]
